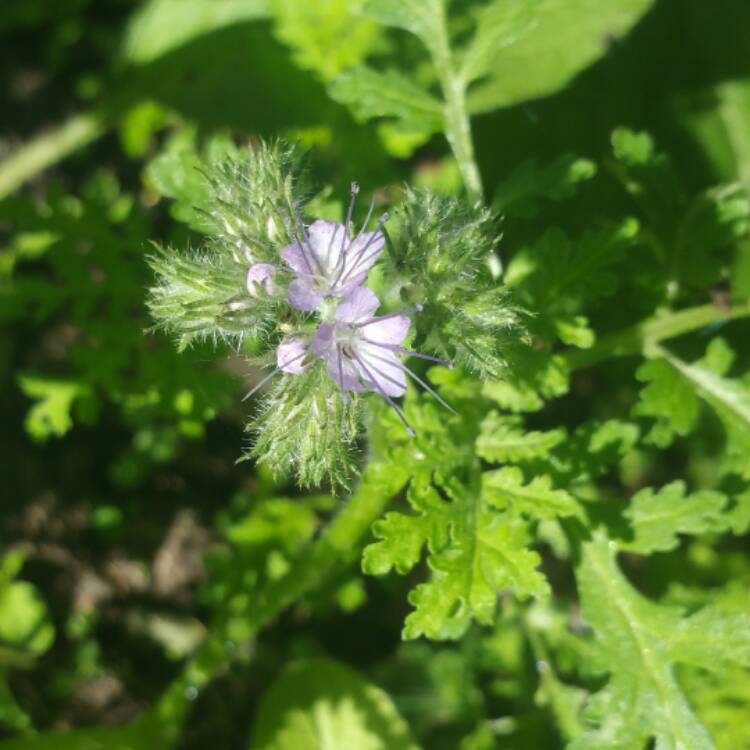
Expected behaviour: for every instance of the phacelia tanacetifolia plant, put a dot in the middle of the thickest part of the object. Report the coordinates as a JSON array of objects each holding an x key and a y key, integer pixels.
[{"x": 296, "y": 294}]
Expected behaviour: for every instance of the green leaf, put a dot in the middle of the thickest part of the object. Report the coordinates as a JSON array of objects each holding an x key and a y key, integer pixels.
[
  {"x": 178, "y": 173},
  {"x": 474, "y": 550},
  {"x": 673, "y": 396},
  {"x": 502, "y": 439},
  {"x": 321, "y": 703},
  {"x": 730, "y": 399},
  {"x": 499, "y": 24},
  {"x": 566, "y": 38},
  {"x": 420, "y": 17},
  {"x": 160, "y": 26},
  {"x": 370, "y": 94},
  {"x": 521, "y": 192},
  {"x": 637, "y": 642},
  {"x": 51, "y": 414},
  {"x": 657, "y": 517},
  {"x": 505, "y": 488},
  {"x": 326, "y": 36},
  {"x": 669, "y": 399}
]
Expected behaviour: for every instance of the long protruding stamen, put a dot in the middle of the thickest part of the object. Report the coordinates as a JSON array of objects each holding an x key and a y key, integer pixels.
[
  {"x": 341, "y": 260},
  {"x": 428, "y": 388},
  {"x": 359, "y": 256},
  {"x": 263, "y": 381},
  {"x": 348, "y": 220},
  {"x": 390, "y": 401},
  {"x": 410, "y": 353},
  {"x": 406, "y": 311},
  {"x": 259, "y": 385},
  {"x": 416, "y": 377}
]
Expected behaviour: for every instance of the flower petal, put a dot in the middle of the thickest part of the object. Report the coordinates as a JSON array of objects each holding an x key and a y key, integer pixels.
[
  {"x": 298, "y": 259},
  {"x": 302, "y": 296},
  {"x": 362, "y": 253},
  {"x": 387, "y": 330},
  {"x": 340, "y": 369},
  {"x": 260, "y": 277},
  {"x": 358, "y": 306},
  {"x": 384, "y": 368},
  {"x": 326, "y": 238},
  {"x": 290, "y": 355}
]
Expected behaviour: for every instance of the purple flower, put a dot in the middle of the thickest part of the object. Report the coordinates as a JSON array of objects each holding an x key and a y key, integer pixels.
[
  {"x": 290, "y": 358},
  {"x": 260, "y": 277},
  {"x": 328, "y": 262},
  {"x": 363, "y": 352}
]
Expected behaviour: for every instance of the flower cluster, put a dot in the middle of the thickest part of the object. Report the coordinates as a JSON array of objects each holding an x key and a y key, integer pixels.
[{"x": 361, "y": 351}]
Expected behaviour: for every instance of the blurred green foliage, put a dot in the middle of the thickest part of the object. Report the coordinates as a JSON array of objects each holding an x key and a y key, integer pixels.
[{"x": 566, "y": 556}]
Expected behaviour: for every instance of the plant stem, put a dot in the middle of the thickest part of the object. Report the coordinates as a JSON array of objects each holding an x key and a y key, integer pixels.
[
  {"x": 457, "y": 123},
  {"x": 640, "y": 338},
  {"x": 48, "y": 149},
  {"x": 339, "y": 541}
]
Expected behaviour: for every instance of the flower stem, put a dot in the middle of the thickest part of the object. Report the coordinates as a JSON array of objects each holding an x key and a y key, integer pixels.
[
  {"x": 457, "y": 123},
  {"x": 49, "y": 148},
  {"x": 335, "y": 546},
  {"x": 640, "y": 338}
]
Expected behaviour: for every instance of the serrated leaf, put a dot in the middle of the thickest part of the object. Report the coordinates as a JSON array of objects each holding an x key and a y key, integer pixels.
[
  {"x": 636, "y": 645},
  {"x": 499, "y": 24},
  {"x": 50, "y": 416},
  {"x": 730, "y": 399},
  {"x": 326, "y": 36},
  {"x": 668, "y": 399},
  {"x": 673, "y": 396},
  {"x": 566, "y": 38},
  {"x": 502, "y": 439},
  {"x": 474, "y": 550},
  {"x": 505, "y": 488},
  {"x": 657, "y": 517},
  {"x": 321, "y": 703},
  {"x": 370, "y": 94}
]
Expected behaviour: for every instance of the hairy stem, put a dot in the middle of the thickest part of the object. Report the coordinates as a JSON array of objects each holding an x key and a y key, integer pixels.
[
  {"x": 336, "y": 545},
  {"x": 457, "y": 123},
  {"x": 640, "y": 338},
  {"x": 49, "y": 148}
]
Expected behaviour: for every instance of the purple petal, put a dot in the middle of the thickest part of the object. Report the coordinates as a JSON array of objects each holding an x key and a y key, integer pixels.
[
  {"x": 350, "y": 286},
  {"x": 387, "y": 330},
  {"x": 358, "y": 306},
  {"x": 290, "y": 355},
  {"x": 302, "y": 296},
  {"x": 298, "y": 259},
  {"x": 325, "y": 239},
  {"x": 362, "y": 253},
  {"x": 384, "y": 367},
  {"x": 260, "y": 277},
  {"x": 340, "y": 369},
  {"x": 324, "y": 341}
]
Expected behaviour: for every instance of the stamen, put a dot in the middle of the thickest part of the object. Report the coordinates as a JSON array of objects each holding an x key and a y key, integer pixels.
[
  {"x": 341, "y": 260},
  {"x": 416, "y": 377},
  {"x": 360, "y": 254},
  {"x": 390, "y": 401},
  {"x": 350, "y": 210},
  {"x": 410, "y": 353},
  {"x": 263, "y": 381},
  {"x": 259, "y": 385},
  {"x": 406, "y": 311}
]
